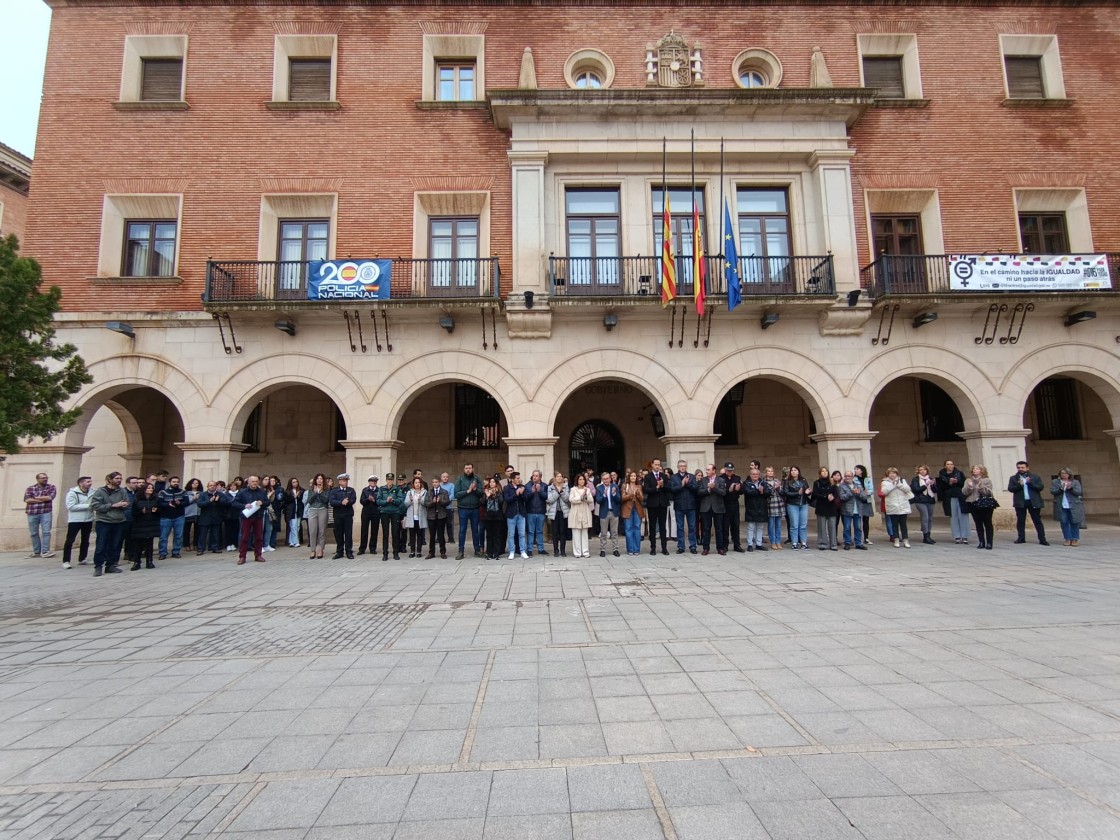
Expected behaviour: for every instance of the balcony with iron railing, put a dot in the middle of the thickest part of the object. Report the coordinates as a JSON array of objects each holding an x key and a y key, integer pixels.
[
  {"x": 271, "y": 282},
  {"x": 640, "y": 277},
  {"x": 944, "y": 274}
]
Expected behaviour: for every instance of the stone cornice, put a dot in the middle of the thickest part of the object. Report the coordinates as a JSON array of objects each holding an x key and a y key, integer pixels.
[{"x": 608, "y": 4}]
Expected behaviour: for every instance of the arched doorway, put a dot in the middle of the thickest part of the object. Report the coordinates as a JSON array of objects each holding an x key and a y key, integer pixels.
[
  {"x": 1067, "y": 417},
  {"x": 596, "y": 444},
  {"x": 135, "y": 432},
  {"x": 292, "y": 430},
  {"x": 766, "y": 420},
  {"x": 450, "y": 424},
  {"x": 918, "y": 422}
]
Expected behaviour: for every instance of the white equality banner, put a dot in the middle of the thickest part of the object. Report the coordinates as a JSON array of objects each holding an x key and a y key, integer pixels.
[{"x": 1028, "y": 272}]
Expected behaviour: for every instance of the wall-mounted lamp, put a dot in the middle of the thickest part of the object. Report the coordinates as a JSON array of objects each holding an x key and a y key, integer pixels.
[
  {"x": 853, "y": 296},
  {"x": 448, "y": 323},
  {"x": 122, "y": 327},
  {"x": 924, "y": 318},
  {"x": 286, "y": 327},
  {"x": 610, "y": 321},
  {"x": 1080, "y": 317},
  {"x": 769, "y": 319},
  {"x": 529, "y": 300}
]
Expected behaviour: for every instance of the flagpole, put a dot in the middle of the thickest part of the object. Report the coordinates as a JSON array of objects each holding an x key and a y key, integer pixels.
[{"x": 721, "y": 248}]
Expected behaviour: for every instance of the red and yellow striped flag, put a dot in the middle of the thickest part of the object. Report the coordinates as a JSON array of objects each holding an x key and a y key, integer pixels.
[{"x": 668, "y": 261}]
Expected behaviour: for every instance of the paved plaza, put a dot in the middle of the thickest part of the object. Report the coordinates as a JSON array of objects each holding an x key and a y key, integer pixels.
[{"x": 937, "y": 692}]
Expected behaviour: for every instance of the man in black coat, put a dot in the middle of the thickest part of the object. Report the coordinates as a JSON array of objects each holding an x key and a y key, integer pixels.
[
  {"x": 731, "y": 518},
  {"x": 371, "y": 516},
  {"x": 655, "y": 488},
  {"x": 1025, "y": 488},
  {"x": 710, "y": 496},
  {"x": 343, "y": 499}
]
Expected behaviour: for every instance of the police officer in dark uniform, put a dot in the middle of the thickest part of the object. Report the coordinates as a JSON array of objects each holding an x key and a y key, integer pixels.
[
  {"x": 731, "y": 503},
  {"x": 342, "y": 500},
  {"x": 371, "y": 516},
  {"x": 390, "y": 503}
]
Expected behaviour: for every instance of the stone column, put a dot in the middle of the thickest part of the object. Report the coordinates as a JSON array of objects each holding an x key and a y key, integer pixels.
[
  {"x": 697, "y": 450},
  {"x": 62, "y": 464},
  {"x": 998, "y": 450},
  {"x": 843, "y": 450},
  {"x": 370, "y": 457},
  {"x": 833, "y": 174},
  {"x": 211, "y": 461},
  {"x": 528, "y": 454}
]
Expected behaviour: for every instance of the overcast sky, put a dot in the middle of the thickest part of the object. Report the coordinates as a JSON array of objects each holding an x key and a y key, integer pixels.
[{"x": 23, "y": 49}]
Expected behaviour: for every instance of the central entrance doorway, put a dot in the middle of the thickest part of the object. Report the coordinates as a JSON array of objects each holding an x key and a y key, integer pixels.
[{"x": 598, "y": 445}]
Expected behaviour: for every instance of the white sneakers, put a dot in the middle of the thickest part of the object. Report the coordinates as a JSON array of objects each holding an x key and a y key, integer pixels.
[
  {"x": 66, "y": 565},
  {"x": 524, "y": 556},
  {"x": 511, "y": 555},
  {"x": 906, "y": 543}
]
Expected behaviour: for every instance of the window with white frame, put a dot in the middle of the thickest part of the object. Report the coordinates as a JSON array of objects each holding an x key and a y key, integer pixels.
[
  {"x": 890, "y": 64},
  {"x": 453, "y": 68},
  {"x": 1032, "y": 68},
  {"x": 294, "y": 229},
  {"x": 756, "y": 68},
  {"x": 1053, "y": 221},
  {"x": 154, "y": 69},
  {"x": 139, "y": 236},
  {"x": 451, "y": 234},
  {"x": 589, "y": 69},
  {"x": 304, "y": 69}
]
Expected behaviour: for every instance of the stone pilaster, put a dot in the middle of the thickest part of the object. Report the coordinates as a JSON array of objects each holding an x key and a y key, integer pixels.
[
  {"x": 211, "y": 461},
  {"x": 697, "y": 450},
  {"x": 843, "y": 450},
  {"x": 528, "y": 454},
  {"x": 370, "y": 457},
  {"x": 17, "y": 472}
]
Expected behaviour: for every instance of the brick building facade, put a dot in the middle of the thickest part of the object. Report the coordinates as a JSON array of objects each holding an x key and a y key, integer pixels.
[
  {"x": 508, "y": 160},
  {"x": 15, "y": 182}
]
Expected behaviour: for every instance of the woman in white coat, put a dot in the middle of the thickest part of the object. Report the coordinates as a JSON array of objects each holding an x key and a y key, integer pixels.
[
  {"x": 415, "y": 516},
  {"x": 582, "y": 498},
  {"x": 896, "y": 499}
]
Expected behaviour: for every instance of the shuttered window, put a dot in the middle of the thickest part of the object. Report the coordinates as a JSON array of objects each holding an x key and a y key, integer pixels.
[
  {"x": 884, "y": 73},
  {"x": 161, "y": 79},
  {"x": 1024, "y": 77},
  {"x": 309, "y": 80}
]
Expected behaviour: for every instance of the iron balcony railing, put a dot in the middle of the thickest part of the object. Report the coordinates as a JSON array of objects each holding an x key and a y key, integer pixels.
[
  {"x": 253, "y": 281},
  {"x": 641, "y": 276},
  {"x": 932, "y": 273}
]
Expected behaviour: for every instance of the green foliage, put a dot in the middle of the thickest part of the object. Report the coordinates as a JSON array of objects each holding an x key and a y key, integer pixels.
[{"x": 35, "y": 373}]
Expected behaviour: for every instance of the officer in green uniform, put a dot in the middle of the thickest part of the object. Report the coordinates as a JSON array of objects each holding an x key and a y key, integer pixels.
[{"x": 390, "y": 502}]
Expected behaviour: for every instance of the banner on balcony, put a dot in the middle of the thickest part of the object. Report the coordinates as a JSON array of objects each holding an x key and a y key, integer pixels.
[
  {"x": 1028, "y": 272},
  {"x": 349, "y": 279}
]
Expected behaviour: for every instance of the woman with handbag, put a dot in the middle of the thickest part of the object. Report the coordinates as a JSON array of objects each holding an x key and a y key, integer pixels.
[
  {"x": 977, "y": 494},
  {"x": 924, "y": 487},
  {"x": 493, "y": 517}
]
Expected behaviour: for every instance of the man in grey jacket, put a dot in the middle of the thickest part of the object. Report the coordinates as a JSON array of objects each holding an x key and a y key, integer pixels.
[{"x": 108, "y": 504}]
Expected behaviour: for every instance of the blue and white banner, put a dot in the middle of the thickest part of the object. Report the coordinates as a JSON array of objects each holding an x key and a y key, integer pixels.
[
  {"x": 349, "y": 279},
  {"x": 1028, "y": 272}
]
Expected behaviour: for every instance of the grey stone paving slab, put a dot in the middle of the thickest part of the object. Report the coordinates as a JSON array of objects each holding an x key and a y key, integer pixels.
[
  {"x": 734, "y": 821},
  {"x": 893, "y": 818},
  {"x": 572, "y": 740},
  {"x": 770, "y": 779},
  {"x": 518, "y": 792},
  {"x": 981, "y": 816},
  {"x": 845, "y": 775},
  {"x": 459, "y": 829},
  {"x": 819, "y": 819},
  {"x": 1063, "y": 814},
  {"x": 449, "y": 796},
  {"x": 637, "y": 738},
  {"x": 374, "y": 799},
  {"x": 505, "y": 743},
  {"x": 611, "y": 787},
  {"x": 617, "y": 825},
  {"x": 295, "y": 804},
  {"x": 532, "y": 827},
  {"x": 695, "y": 783}
]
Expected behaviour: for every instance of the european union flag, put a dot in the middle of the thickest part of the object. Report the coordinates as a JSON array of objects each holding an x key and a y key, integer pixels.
[{"x": 731, "y": 261}]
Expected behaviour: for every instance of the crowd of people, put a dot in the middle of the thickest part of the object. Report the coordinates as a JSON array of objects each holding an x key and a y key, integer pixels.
[{"x": 145, "y": 520}]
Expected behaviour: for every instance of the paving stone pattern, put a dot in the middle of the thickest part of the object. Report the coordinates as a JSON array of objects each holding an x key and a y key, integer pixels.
[{"x": 933, "y": 693}]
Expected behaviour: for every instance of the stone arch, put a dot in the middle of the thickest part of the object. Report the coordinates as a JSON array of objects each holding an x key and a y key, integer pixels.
[
  {"x": 117, "y": 374},
  {"x": 133, "y": 437},
  {"x": 968, "y": 386},
  {"x": 1079, "y": 361},
  {"x": 234, "y": 400},
  {"x": 404, "y": 384},
  {"x": 815, "y": 386},
  {"x": 656, "y": 380}
]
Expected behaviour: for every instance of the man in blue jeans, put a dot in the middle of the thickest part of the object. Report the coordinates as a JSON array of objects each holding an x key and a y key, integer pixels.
[
  {"x": 514, "y": 495},
  {"x": 536, "y": 504},
  {"x": 172, "y": 510},
  {"x": 39, "y": 500},
  {"x": 682, "y": 486},
  {"x": 108, "y": 504},
  {"x": 468, "y": 496}
]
